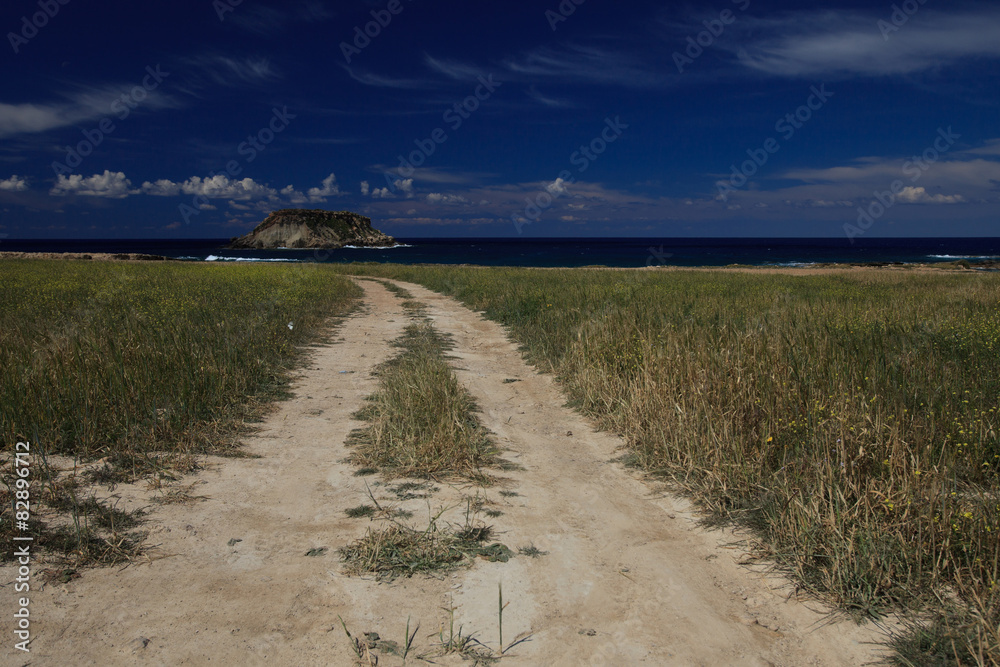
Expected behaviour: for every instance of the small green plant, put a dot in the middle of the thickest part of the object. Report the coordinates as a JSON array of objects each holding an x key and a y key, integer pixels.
[
  {"x": 360, "y": 511},
  {"x": 532, "y": 551}
]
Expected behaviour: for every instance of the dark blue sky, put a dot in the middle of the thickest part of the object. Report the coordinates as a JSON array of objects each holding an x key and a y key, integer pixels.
[{"x": 727, "y": 118}]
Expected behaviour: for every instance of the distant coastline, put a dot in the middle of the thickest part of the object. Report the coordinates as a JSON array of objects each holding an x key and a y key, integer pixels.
[{"x": 983, "y": 254}]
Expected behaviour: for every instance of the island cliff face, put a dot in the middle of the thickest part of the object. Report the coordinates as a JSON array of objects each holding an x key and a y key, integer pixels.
[{"x": 312, "y": 228}]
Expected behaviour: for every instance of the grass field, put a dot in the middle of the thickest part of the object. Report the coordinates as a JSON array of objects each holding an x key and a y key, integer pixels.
[
  {"x": 851, "y": 421},
  {"x": 142, "y": 365}
]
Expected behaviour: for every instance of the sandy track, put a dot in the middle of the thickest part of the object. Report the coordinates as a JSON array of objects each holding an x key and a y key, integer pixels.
[{"x": 629, "y": 577}]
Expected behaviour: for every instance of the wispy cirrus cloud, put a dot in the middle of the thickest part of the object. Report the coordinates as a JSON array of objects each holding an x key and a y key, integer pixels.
[
  {"x": 811, "y": 43},
  {"x": 964, "y": 177},
  {"x": 966, "y": 172},
  {"x": 435, "y": 176},
  {"x": 380, "y": 81},
  {"x": 225, "y": 70},
  {"x": 268, "y": 21},
  {"x": 583, "y": 64},
  {"x": 78, "y": 105},
  {"x": 547, "y": 100},
  {"x": 454, "y": 69}
]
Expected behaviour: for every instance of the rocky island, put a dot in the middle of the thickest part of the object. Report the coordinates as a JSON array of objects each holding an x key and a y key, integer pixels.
[{"x": 312, "y": 228}]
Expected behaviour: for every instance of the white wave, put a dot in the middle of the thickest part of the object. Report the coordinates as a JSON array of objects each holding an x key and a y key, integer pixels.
[
  {"x": 216, "y": 258},
  {"x": 377, "y": 247},
  {"x": 964, "y": 256}
]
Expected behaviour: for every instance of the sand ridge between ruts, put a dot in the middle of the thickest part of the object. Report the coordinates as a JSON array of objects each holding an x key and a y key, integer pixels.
[{"x": 629, "y": 577}]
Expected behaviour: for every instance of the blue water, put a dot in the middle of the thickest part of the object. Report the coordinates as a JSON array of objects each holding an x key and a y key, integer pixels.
[{"x": 629, "y": 252}]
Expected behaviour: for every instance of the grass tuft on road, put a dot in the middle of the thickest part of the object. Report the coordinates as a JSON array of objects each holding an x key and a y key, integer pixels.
[{"x": 421, "y": 421}]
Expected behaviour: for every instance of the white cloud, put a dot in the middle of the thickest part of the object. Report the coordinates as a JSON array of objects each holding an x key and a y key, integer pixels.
[
  {"x": 219, "y": 186},
  {"x": 113, "y": 185},
  {"x": 294, "y": 196},
  {"x": 438, "y": 198},
  {"x": 557, "y": 187},
  {"x": 161, "y": 188},
  {"x": 329, "y": 189},
  {"x": 912, "y": 195},
  {"x": 823, "y": 203},
  {"x": 405, "y": 186},
  {"x": 222, "y": 187},
  {"x": 14, "y": 184},
  {"x": 365, "y": 188},
  {"x": 401, "y": 185}
]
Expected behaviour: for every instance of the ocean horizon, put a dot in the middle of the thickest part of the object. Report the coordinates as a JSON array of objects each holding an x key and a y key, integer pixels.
[{"x": 560, "y": 252}]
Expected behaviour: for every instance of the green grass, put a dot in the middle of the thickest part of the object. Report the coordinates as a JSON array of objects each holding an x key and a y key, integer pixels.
[
  {"x": 145, "y": 365},
  {"x": 850, "y": 420},
  {"x": 422, "y": 422}
]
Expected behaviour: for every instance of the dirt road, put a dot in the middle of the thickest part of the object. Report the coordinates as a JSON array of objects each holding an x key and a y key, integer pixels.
[{"x": 628, "y": 578}]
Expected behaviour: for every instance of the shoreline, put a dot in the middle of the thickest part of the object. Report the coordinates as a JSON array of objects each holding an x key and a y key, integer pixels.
[
  {"x": 959, "y": 266},
  {"x": 96, "y": 256}
]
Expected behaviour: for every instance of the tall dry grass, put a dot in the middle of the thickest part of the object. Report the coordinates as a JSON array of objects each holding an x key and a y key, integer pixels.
[
  {"x": 142, "y": 365},
  {"x": 850, "y": 420},
  {"x": 100, "y": 358}
]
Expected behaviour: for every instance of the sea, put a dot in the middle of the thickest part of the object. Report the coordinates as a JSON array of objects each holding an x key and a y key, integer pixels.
[{"x": 566, "y": 252}]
